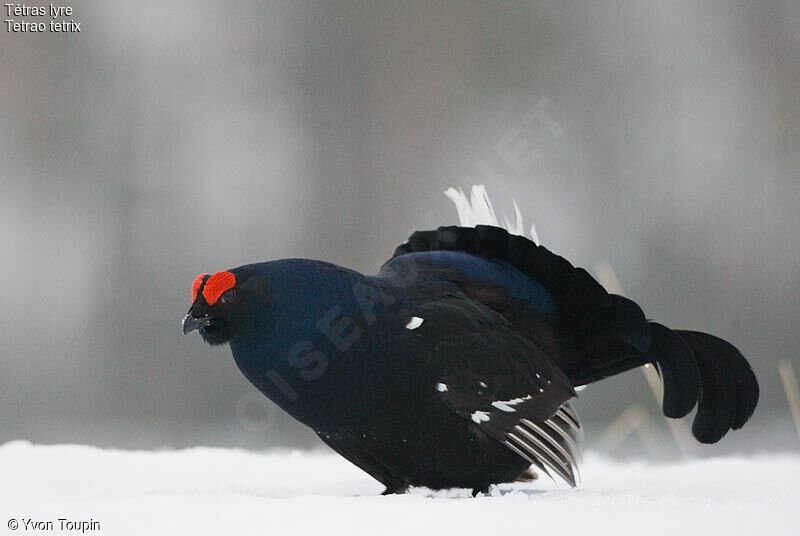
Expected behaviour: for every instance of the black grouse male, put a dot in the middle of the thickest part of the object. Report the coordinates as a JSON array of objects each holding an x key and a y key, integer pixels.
[{"x": 455, "y": 365}]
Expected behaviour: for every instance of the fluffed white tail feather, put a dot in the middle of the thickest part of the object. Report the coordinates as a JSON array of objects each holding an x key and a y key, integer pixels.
[
  {"x": 477, "y": 209},
  {"x": 553, "y": 444}
]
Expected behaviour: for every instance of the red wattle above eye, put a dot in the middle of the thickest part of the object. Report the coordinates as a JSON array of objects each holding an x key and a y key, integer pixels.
[
  {"x": 198, "y": 281},
  {"x": 216, "y": 286}
]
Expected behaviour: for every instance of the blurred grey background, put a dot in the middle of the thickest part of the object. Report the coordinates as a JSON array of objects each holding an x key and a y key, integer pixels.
[{"x": 172, "y": 138}]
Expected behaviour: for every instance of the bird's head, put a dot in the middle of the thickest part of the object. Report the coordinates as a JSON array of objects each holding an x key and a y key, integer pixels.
[{"x": 224, "y": 304}]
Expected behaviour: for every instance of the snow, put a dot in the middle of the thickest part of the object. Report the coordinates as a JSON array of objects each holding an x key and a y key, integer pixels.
[{"x": 209, "y": 490}]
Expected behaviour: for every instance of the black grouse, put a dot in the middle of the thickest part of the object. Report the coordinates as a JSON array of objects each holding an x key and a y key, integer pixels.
[{"x": 455, "y": 365}]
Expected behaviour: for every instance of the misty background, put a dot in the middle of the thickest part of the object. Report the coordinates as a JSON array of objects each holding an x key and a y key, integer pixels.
[{"x": 172, "y": 138}]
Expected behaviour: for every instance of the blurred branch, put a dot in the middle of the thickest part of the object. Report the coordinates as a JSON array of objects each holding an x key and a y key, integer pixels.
[
  {"x": 635, "y": 419},
  {"x": 789, "y": 380},
  {"x": 608, "y": 278}
]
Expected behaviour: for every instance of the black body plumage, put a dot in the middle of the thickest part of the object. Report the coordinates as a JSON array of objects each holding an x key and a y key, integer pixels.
[{"x": 455, "y": 365}]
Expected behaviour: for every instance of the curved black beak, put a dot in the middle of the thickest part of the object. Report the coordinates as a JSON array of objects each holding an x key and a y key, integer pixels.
[{"x": 191, "y": 323}]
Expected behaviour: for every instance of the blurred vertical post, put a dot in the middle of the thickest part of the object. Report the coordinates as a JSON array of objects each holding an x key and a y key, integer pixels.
[
  {"x": 634, "y": 419},
  {"x": 608, "y": 278},
  {"x": 789, "y": 380}
]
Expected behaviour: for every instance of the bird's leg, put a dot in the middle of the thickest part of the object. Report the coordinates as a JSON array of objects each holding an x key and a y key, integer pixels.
[
  {"x": 395, "y": 489},
  {"x": 483, "y": 488},
  {"x": 528, "y": 475}
]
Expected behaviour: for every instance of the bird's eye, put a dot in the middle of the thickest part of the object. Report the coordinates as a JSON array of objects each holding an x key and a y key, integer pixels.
[{"x": 228, "y": 296}]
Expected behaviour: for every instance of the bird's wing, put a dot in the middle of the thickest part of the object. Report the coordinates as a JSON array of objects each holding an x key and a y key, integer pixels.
[
  {"x": 604, "y": 334},
  {"x": 542, "y": 280},
  {"x": 502, "y": 383}
]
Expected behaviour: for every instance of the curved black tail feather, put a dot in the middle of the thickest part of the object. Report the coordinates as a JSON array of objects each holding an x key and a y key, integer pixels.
[
  {"x": 696, "y": 369},
  {"x": 728, "y": 386}
]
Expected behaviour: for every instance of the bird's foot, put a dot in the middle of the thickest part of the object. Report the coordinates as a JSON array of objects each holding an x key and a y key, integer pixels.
[
  {"x": 484, "y": 488},
  {"x": 528, "y": 475},
  {"x": 395, "y": 490}
]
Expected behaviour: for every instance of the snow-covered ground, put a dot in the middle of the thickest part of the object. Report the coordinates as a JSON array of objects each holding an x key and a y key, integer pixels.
[{"x": 223, "y": 491}]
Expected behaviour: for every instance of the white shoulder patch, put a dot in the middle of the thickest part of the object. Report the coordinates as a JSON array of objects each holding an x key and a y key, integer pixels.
[{"x": 414, "y": 323}]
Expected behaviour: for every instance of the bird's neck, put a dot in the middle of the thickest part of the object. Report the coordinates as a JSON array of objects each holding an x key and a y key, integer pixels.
[{"x": 320, "y": 317}]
